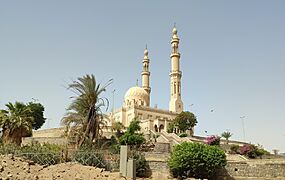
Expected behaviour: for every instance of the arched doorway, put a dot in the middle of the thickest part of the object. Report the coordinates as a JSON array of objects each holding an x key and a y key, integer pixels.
[
  {"x": 161, "y": 127},
  {"x": 155, "y": 128}
]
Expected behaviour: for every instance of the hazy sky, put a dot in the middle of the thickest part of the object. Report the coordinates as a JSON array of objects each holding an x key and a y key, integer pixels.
[{"x": 232, "y": 57}]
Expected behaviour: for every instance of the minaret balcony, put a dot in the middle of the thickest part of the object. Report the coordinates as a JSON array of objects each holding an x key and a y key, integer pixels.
[
  {"x": 145, "y": 73},
  {"x": 173, "y": 73},
  {"x": 177, "y": 54}
]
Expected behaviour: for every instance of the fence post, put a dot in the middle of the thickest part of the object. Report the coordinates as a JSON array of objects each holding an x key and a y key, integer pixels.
[
  {"x": 131, "y": 169},
  {"x": 123, "y": 160}
]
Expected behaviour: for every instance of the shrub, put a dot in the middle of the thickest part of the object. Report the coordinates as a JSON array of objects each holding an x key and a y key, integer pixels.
[
  {"x": 9, "y": 149},
  {"x": 234, "y": 149},
  {"x": 90, "y": 157},
  {"x": 46, "y": 154},
  {"x": 170, "y": 127},
  {"x": 183, "y": 135},
  {"x": 261, "y": 152},
  {"x": 141, "y": 164},
  {"x": 213, "y": 140},
  {"x": 115, "y": 148},
  {"x": 196, "y": 160},
  {"x": 132, "y": 139},
  {"x": 252, "y": 151}
]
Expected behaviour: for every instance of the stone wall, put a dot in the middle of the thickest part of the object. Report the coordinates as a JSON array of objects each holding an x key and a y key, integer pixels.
[
  {"x": 41, "y": 140},
  {"x": 53, "y": 132},
  {"x": 250, "y": 169},
  {"x": 259, "y": 169}
]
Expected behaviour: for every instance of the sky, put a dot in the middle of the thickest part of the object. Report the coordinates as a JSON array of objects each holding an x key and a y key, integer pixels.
[{"x": 232, "y": 58}]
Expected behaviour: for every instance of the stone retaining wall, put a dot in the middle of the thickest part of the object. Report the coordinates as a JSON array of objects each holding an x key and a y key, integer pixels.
[{"x": 250, "y": 169}]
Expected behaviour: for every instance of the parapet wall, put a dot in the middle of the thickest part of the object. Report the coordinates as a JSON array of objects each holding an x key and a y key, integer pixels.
[
  {"x": 42, "y": 140},
  {"x": 53, "y": 132}
]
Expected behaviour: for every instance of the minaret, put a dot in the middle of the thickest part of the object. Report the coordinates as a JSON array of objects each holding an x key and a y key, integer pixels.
[
  {"x": 146, "y": 75},
  {"x": 175, "y": 104}
]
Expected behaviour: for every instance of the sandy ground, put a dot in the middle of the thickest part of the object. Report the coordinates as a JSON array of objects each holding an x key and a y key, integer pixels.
[{"x": 13, "y": 168}]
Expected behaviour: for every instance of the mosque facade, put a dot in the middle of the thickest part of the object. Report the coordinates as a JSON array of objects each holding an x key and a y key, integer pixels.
[{"x": 137, "y": 99}]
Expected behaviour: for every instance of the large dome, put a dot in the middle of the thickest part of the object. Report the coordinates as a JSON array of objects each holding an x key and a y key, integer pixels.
[{"x": 136, "y": 96}]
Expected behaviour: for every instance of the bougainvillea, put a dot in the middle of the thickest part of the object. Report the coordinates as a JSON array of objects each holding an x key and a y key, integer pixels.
[{"x": 213, "y": 140}]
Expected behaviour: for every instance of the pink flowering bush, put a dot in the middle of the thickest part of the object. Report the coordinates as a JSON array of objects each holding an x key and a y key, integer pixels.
[
  {"x": 249, "y": 150},
  {"x": 213, "y": 140}
]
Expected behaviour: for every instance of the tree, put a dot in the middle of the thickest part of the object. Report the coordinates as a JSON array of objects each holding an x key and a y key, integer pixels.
[
  {"x": 171, "y": 127},
  {"x": 85, "y": 110},
  {"x": 226, "y": 135},
  {"x": 196, "y": 160},
  {"x": 37, "y": 111},
  {"x": 117, "y": 127},
  {"x": 131, "y": 137},
  {"x": 185, "y": 121},
  {"x": 16, "y": 122}
]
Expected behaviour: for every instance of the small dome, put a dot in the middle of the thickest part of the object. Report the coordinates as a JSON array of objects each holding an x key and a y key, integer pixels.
[{"x": 136, "y": 96}]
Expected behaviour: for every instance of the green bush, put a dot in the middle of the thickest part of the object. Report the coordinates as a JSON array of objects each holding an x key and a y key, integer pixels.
[
  {"x": 9, "y": 149},
  {"x": 132, "y": 139},
  {"x": 141, "y": 164},
  {"x": 195, "y": 160},
  {"x": 261, "y": 152},
  {"x": 46, "y": 154},
  {"x": 234, "y": 149},
  {"x": 131, "y": 136},
  {"x": 252, "y": 151}
]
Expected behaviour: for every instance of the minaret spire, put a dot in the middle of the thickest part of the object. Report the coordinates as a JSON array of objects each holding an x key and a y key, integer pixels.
[
  {"x": 146, "y": 74},
  {"x": 175, "y": 104}
]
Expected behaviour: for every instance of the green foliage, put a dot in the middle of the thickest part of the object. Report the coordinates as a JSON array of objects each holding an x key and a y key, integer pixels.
[
  {"x": 16, "y": 122},
  {"x": 196, "y": 160},
  {"x": 37, "y": 112},
  {"x": 115, "y": 148},
  {"x": 252, "y": 151},
  {"x": 89, "y": 157},
  {"x": 234, "y": 149},
  {"x": 19, "y": 119},
  {"x": 46, "y": 154},
  {"x": 171, "y": 127},
  {"x": 131, "y": 137},
  {"x": 184, "y": 121},
  {"x": 9, "y": 149},
  {"x": 141, "y": 164},
  {"x": 213, "y": 140},
  {"x": 261, "y": 152},
  {"x": 183, "y": 135},
  {"x": 85, "y": 111},
  {"x": 226, "y": 135}
]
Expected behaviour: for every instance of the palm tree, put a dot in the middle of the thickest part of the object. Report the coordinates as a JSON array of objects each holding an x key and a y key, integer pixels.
[
  {"x": 16, "y": 122},
  {"x": 84, "y": 113},
  {"x": 226, "y": 135}
]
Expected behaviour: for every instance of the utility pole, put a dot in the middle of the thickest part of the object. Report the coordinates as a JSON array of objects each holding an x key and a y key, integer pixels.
[
  {"x": 243, "y": 129},
  {"x": 113, "y": 99}
]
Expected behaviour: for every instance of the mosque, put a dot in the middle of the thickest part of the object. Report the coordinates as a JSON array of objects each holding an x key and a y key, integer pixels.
[
  {"x": 137, "y": 99},
  {"x": 136, "y": 104}
]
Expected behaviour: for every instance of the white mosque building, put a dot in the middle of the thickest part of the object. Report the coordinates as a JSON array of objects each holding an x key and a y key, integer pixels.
[{"x": 137, "y": 99}]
